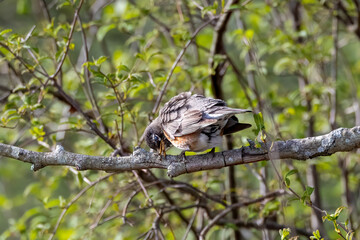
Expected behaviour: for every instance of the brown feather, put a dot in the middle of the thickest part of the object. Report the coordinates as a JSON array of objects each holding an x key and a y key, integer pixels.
[{"x": 186, "y": 114}]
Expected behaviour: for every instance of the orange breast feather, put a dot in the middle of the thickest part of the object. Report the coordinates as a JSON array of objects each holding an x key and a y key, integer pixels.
[{"x": 186, "y": 142}]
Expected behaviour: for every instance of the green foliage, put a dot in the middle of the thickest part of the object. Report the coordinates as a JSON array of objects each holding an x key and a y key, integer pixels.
[
  {"x": 211, "y": 8},
  {"x": 259, "y": 121},
  {"x": 284, "y": 233},
  {"x": 305, "y": 198},
  {"x": 316, "y": 236},
  {"x": 333, "y": 218},
  {"x": 54, "y": 92},
  {"x": 288, "y": 174}
]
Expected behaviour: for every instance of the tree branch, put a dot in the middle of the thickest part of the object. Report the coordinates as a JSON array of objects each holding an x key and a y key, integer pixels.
[
  {"x": 224, "y": 212},
  {"x": 67, "y": 46},
  {"x": 178, "y": 58},
  {"x": 339, "y": 140}
]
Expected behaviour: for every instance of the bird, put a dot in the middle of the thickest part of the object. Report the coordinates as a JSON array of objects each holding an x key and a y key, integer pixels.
[{"x": 192, "y": 122}]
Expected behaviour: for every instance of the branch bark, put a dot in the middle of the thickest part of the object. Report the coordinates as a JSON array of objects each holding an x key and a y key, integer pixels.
[{"x": 339, "y": 140}]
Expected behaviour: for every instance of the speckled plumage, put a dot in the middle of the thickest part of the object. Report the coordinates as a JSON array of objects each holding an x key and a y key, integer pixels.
[{"x": 194, "y": 122}]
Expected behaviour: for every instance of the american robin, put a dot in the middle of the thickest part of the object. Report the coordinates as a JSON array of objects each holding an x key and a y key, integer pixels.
[{"x": 193, "y": 123}]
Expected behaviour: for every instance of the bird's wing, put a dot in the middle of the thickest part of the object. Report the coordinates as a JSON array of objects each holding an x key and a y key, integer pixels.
[
  {"x": 214, "y": 108},
  {"x": 182, "y": 115},
  {"x": 185, "y": 113}
]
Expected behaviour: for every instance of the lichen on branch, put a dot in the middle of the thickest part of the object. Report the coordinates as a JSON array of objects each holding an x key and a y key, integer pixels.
[{"x": 339, "y": 140}]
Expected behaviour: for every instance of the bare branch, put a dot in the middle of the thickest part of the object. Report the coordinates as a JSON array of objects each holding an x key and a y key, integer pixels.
[
  {"x": 270, "y": 225},
  {"x": 334, "y": 72},
  {"x": 59, "y": 66},
  {"x": 223, "y": 213},
  {"x": 217, "y": 47},
  {"x": 88, "y": 88},
  {"x": 84, "y": 190},
  {"x": 178, "y": 58},
  {"x": 339, "y": 140}
]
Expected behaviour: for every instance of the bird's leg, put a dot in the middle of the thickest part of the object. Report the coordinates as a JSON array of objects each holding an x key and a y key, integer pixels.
[
  {"x": 212, "y": 151},
  {"x": 183, "y": 156},
  {"x": 183, "y": 159}
]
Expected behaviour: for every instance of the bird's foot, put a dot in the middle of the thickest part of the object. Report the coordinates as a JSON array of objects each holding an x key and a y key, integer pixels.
[
  {"x": 162, "y": 156},
  {"x": 183, "y": 159},
  {"x": 212, "y": 152},
  {"x": 183, "y": 156}
]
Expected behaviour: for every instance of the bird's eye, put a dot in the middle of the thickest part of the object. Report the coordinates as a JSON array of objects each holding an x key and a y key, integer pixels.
[{"x": 156, "y": 138}]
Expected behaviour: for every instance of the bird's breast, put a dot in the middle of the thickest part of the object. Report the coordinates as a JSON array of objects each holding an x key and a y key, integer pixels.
[{"x": 198, "y": 141}]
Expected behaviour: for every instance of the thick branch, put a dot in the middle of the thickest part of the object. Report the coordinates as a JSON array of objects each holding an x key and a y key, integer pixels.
[
  {"x": 218, "y": 48},
  {"x": 339, "y": 140}
]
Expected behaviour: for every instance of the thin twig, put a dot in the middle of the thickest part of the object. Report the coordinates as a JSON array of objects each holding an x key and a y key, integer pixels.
[
  {"x": 103, "y": 210},
  {"x": 224, "y": 212},
  {"x": 38, "y": 63},
  {"x": 22, "y": 61},
  {"x": 89, "y": 89},
  {"x": 84, "y": 190},
  {"x": 191, "y": 222},
  {"x": 272, "y": 156},
  {"x": 178, "y": 58},
  {"x": 143, "y": 188},
  {"x": 76, "y": 105},
  {"x": 67, "y": 46},
  {"x": 133, "y": 194},
  {"x": 334, "y": 72}
]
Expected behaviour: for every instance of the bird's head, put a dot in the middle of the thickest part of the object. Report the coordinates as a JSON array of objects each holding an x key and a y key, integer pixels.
[{"x": 155, "y": 138}]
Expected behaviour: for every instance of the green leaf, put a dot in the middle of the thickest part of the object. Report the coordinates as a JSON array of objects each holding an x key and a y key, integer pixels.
[
  {"x": 141, "y": 56},
  {"x": 110, "y": 96},
  {"x": 100, "y": 60},
  {"x": 338, "y": 211},
  {"x": 63, "y": 4},
  {"x": 10, "y": 112},
  {"x": 37, "y": 106},
  {"x": 52, "y": 203},
  {"x": 288, "y": 174},
  {"x": 13, "y": 117},
  {"x": 307, "y": 193},
  {"x": 34, "y": 188},
  {"x": 284, "y": 233},
  {"x": 316, "y": 235},
  {"x": 23, "y": 6},
  {"x": 123, "y": 67},
  {"x": 38, "y": 132},
  {"x": 211, "y": 9},
  {"x": 309, "y": 190},
  {"x": 349, "y": 235},
  {"x": 103, "y": 30},
  {"x": 3, "y": 32},
  {"x": 19, "y": 88},
  {"x": 249, "y": 34},
  {"x": 271, "y": 207},
  {"x": 80, "y": 178},
  {"x": 259, "y": 121},
  {"x": 285, "y": 64}
]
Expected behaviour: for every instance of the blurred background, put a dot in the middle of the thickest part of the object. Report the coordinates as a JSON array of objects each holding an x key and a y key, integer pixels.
[{"x": 88, "y": 75}]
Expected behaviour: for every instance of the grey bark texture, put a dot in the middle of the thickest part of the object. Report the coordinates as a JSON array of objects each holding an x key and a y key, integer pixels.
[{"x": 339, "y": 140}]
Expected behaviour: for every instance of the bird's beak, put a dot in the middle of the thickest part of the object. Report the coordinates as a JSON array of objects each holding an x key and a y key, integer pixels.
[{"x": 162, "y": 149}]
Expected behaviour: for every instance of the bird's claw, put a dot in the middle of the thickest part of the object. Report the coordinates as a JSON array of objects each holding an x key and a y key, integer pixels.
[
  {"x": 183, "y": 156},
  {"x": 212, "y": 152}
]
